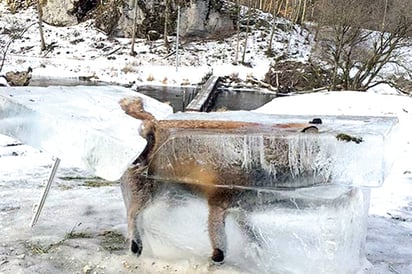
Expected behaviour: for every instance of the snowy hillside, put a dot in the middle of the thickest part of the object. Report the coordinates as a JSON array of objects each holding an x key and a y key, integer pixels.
[{"x": 83, "y": 52}]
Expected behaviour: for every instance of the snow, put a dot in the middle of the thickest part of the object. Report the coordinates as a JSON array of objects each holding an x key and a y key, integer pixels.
[{"x": 76, "y": 205}]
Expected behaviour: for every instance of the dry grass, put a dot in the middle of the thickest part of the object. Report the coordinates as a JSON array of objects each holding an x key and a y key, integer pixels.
[{"x": 150, "y": 78}]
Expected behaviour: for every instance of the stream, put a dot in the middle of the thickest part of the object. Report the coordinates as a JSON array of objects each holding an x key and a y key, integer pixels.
[{"x": 177, "y": 97}]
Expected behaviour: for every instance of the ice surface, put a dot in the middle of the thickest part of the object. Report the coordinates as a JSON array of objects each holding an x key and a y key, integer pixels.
[
  {"x": 84, "y": 126},
  {"x": 347, "y": 150}
]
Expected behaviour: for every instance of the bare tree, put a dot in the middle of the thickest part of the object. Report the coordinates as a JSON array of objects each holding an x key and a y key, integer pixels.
[{"x": 356, "y": 55}]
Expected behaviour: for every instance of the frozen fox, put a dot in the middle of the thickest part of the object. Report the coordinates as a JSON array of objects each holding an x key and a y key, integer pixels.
[{"x": 202, "y": 177}]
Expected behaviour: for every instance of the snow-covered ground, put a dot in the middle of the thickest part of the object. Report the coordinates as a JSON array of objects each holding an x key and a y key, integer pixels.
[
  {"x": 83, "y": 223},
  {"x": 82, "y": 226}
]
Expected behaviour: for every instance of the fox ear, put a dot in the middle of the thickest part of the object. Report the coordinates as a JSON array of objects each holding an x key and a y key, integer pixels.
[{"x": 310, "y": 129}]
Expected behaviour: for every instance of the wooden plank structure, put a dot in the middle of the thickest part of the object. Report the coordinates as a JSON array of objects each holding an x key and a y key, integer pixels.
[{"x": 203, "y": 98}]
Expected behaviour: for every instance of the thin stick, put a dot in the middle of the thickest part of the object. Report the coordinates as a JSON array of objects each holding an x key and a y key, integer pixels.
[
  {"x": 177, "y": 37},
  {"x": 45, "y": 192}
]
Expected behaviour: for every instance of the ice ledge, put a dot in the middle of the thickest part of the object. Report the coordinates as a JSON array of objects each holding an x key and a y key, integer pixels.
[{"x": 84, "y": 126}]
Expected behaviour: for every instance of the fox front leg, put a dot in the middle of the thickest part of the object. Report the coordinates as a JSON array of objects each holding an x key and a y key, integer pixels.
[
  {"x": 217, "y": 235},
  {"x": 218, "y": 204}
]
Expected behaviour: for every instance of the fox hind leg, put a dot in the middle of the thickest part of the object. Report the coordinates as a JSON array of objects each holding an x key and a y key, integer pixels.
[{"x": 137, "y": 192}]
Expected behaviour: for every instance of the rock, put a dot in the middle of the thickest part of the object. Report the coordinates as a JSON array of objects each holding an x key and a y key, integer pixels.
[
  {"x": 21, "y": 256},
  {"x": 205, "y": 18},
  {"x": 67, "y": 12},
  {"x": 87, "y": 269},
  {"x": 57, "y": 12},
  {"x": 107, "y": 16},
  {"x": 19, "y": 78}
]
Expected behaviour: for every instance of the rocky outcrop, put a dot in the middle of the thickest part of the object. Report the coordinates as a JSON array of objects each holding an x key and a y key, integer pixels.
[{"x": 199, "y": 18}]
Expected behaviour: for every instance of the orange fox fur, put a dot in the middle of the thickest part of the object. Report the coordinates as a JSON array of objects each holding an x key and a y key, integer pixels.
[{"x": 202, "y": 178}]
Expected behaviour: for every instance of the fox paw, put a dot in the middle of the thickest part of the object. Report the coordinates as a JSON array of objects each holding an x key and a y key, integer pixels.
[
  {"x": 136, "y": 247},
  {"x": 218, "y": 256}
]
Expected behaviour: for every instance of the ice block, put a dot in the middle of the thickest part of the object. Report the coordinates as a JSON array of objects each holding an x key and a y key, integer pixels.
[
  {"x": 308, "y": 230},
  {"x": 84, "y": 126},
  {"x": 297, "y": 200},
  {"x": 345, "y": 150}
]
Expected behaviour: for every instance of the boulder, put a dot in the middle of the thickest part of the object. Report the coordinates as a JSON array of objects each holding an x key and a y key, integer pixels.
[
  {"x": 67, "y": 12},
  {"x": 57, "y": 12},
  {"x": 19, "y": 78}
]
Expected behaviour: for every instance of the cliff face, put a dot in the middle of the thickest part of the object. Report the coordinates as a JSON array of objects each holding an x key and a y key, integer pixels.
[{"x": 199, "y": 18}]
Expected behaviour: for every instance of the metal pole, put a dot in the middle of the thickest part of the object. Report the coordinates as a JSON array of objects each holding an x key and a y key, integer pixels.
[
  {"x": 177, "y": 37},
  {"x": 45, "y": 192}
]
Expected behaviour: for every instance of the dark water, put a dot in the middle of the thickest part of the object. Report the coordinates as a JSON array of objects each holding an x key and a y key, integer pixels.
[
  {"x": 240, "y": 100},
  {"x": 177, "y": 97}
]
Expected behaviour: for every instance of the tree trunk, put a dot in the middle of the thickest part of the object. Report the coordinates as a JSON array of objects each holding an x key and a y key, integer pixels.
[
  {"x": 272, "y": 33},
  {"x": 132, "y": 52},
  {"x": 247, "y": 32},
  {"x": 166, "y": 24},
  {"x": 297, "y": 8},
  {"x": 40, "y": 20},
  {"x": 237, "y": 32},
  {"x": 305, "y": 5},
  {"x": 384, "y": 15}
]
